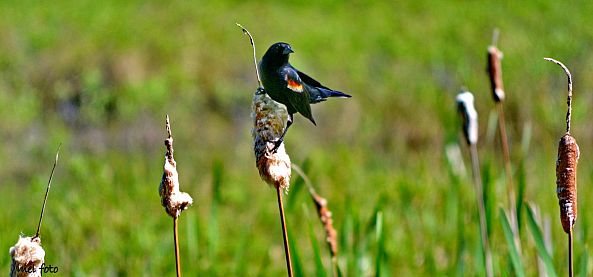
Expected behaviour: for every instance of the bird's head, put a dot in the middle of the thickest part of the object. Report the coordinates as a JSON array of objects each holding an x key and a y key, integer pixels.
[{"x": 278, "y": 52}]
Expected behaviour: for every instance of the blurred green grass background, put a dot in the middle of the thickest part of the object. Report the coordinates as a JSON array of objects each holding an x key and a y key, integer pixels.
[{"x": 100, "y": 76}]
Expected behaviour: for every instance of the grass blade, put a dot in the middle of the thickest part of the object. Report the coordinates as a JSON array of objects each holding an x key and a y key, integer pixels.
[
  {"x": 297, "y": 265},
  {"x": 380, "y": 243},
  {"x": 521, "y": 185},
  {"x": 539, "y": 242},
  {"x": 513, "y": 251}
]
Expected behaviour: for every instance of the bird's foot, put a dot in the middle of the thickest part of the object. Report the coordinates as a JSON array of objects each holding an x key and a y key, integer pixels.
[
  {"x": 276, "y": 146},
  {"x": 260, "y": 90}
]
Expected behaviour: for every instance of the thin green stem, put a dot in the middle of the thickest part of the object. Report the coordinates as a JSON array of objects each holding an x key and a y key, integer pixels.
[{"x": 481, "y": 209}]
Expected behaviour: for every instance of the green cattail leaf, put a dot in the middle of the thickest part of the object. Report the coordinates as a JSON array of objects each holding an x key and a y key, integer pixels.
[
  {"x": 339, "y": 271},
  {"x": 217, "y": 179},
  {"x": 489, "y": 195},
  {"x": 380, "y": 243},
  {"x": 539, "y": 242},
  {"x": 513, "y": 252},
  {"x": 521, "y": 185}
]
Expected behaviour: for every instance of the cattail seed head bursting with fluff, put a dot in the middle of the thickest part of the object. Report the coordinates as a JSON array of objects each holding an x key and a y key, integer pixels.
[
  {"x": 27, "y": 257},
  {"x": 465, "y": 106},
  {"x": 269, "y": 121},
  {"x": 173, "y": 200}
]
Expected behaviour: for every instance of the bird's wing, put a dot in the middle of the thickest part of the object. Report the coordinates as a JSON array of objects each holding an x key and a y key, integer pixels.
[
  {"x": 293, "y": 81},
  {"x": 300, "y": 98}
]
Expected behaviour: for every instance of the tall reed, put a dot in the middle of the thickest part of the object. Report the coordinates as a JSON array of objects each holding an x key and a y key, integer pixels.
[
  {"x": 27, "y": 255},
  {"x": 173, "y": 200},
  {"x": 498, "y": 95},
  {"x": 469, "y": 116},
  {"x": 566, "y": 173}
]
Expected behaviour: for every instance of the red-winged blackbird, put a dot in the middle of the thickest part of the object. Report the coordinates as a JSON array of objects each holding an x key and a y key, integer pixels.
[{"x": 285, "y": 84}]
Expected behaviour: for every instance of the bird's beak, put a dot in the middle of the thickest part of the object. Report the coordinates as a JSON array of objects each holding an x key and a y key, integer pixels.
[{"x": 287, "y": 50}]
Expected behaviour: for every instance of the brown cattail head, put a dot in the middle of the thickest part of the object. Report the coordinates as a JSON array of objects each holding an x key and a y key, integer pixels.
[
  {"x": 326, "y": 219},
  {"x": 172, "y": 198},
  {"x": 27, "y": 257},
  {"x": 566, "y": 180},
  {"x": 495, "y": 73},
  {"x": 269, "y": 121}
]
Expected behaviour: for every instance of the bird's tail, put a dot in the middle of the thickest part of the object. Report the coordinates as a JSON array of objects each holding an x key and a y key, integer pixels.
[
  {"x": 335, "y": 93},
  {"x": 321, "y": 94}
]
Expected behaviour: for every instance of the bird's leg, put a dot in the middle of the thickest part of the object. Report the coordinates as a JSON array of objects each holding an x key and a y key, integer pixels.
[{"x": 281, "y": 139}]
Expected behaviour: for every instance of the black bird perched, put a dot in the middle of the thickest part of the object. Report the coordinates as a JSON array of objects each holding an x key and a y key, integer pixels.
[{"x": 286, "y": 85}]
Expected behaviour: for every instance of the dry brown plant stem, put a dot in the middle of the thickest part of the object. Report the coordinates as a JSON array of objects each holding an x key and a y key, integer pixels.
[
  {"x": 176, "y": 240},
  {"x": 51, "y": 175},
  {"x": 507, "y": 168},
  {"x": 279, "y": 192},
  {"x": 246, "y": 32},
  {"x": 566, "y": 173},
  {"x": 175, "y": 222},
  {"x": 570, "y": 257},
  {"x": 569, "y": 98},
  {"x": 481, "y": 209}
]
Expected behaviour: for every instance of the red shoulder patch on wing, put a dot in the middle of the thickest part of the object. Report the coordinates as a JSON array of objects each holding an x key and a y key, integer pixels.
[{"x": 294, "y": 85}]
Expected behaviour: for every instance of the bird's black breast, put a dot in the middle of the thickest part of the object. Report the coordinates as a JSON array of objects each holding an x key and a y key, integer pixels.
[{"x": 275, "y": 86}]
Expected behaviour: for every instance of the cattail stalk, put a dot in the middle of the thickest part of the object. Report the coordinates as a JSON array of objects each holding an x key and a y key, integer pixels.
[
  {"x": 27, "y": 255},
  {"x": 51, "y": 175},
  {"x": 469, "y": 115},
  {"x": 498, "y": 94},
  {"x": 269, "y": 121},
  {"x": 566, "y": 173},
  {"x": 173, "y": 200}
]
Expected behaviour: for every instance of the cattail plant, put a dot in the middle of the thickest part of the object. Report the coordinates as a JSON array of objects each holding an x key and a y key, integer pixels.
[
  {"x": 27, "y": 255},
  {"x": 566, "y": 173},
  {"x": 173, "y": 200},
  {"x": 269, "y": 121},
  {"x": 469, "y": 116},
  {"x": 498, "y": 94}
]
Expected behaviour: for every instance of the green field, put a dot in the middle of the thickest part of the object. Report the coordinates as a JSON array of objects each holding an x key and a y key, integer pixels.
[{"x": 100, "y": 76}]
